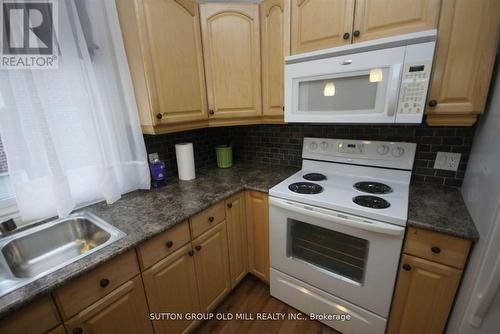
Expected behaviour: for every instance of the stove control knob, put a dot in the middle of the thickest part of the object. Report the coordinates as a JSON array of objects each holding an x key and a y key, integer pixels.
[
  {"x": 324, "y": 145},
  {"x": 397, "y": 151},
  {"x": 313, "y": 146},
  {"x": 383, "y": 149}
]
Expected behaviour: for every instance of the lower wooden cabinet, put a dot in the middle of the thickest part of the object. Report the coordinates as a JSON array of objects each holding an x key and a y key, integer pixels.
[
  {"x": 124, "y": 310},
  {"x": 237, "y": 237},
  {"x": 424, "y": 295},
  {"x": 212, "y": 266},
  {"x": 258, "y": 234},
  {"x": 171, "y": 287}
]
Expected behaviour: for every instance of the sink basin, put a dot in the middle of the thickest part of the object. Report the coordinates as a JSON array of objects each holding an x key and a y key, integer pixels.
[{"x": 35, "y": 252}]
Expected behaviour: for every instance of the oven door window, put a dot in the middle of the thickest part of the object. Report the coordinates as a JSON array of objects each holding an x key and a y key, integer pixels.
[{"x": 338, "y": 253}]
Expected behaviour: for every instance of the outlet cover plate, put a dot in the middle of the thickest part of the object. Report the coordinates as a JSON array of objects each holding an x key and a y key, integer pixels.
[{"x": 447, "y": 161}]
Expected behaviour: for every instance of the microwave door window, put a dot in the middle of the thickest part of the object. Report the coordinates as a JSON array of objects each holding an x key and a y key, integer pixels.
[{"x": 335, "y": 252}]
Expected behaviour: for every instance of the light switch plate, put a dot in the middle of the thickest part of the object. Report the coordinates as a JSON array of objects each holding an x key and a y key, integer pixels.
[{"x": 447, "y": 161}]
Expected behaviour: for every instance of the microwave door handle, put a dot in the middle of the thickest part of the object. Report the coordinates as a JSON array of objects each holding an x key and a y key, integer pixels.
[
  {"x": 394, "y": 84},
  {"x": 372, "y": 227}
]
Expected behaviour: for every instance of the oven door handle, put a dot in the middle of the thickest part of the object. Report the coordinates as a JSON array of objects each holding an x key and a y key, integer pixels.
[{"x": 371, "y": 226}]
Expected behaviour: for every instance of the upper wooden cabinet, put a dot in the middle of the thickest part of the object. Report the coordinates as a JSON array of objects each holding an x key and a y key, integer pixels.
[
  {"x": 463, "y": 63},
  {"x": 163, "y": 45},
  {"x": 383, "y": 18},
  {"x": 231, "y": 46},
  {"x": 320, "y": 24},
  {"x": 275, "y": 41}
]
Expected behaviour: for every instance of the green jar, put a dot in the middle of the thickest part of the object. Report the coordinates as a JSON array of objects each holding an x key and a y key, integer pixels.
[{"x": 224, "y": 156}]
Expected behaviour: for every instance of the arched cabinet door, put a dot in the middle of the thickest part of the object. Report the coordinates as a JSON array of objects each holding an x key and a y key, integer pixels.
[{"x": 231, "y": 47}]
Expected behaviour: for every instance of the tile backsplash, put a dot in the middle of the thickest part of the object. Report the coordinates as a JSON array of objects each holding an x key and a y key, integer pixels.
[{"x": 282, "y": 144}]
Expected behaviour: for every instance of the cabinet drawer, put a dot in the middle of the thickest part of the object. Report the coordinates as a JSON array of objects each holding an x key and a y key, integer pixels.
[
  {"x": 38, "y": 317},
  {"x": 206, "y": 219},
  {"x": 437, "y": 247},
  {"x": 83, "y": 291},
  {"x": 163, "y": 245}
]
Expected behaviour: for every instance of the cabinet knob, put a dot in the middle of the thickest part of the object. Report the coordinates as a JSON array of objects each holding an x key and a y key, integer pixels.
[
  {"x": 77, "y": 330},
  {"x": 169, "y": 244},
  {"x": 191, "y": 253},
  {"x": 198, "y": 248},
  {"x": 346, "y": 36},
  {"x": 406, "y": 267},
  {"x": 436, "y": 250},
  {"x": 230, "y": 205},
  {"x": 104, "y": 282},
  {"x": 356, "y": 33},
  {"x": 211, "y": 219},
  {"x": 211, "y": 112},
  {"x": 433, "y": 103},
  {"x": 159, "y": 115}
]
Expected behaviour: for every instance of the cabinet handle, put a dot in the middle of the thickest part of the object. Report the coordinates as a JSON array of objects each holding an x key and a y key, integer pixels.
[
  {"x": 230, "y": 205},
  {"x": 406, "y": 267},
  {"x": 211, "y": 219},
  {"x": 159, "y": 115},
  {"x": 436, "y": 250},
  {"x": 198, "y": 248},
  {"x": 104, "y": 282},
  {"x": 433, "y": 103},
  {"x": 346, "y": 36},
  {"x": 211, "y": 112},
  {"x": 191, "y": 253},
  {"x": 356, "y": 33},
  {"x": 169, "y": 244},
  {"x": 77, "y": 330}
]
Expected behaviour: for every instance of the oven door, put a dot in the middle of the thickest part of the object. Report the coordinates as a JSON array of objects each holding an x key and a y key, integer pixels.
[
  {"x": 356, "y": 88},
  {"x": 347, "y": 256}
]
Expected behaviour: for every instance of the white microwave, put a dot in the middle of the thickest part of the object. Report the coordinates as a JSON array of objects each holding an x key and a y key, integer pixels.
[{"x": 380, "y": 81}]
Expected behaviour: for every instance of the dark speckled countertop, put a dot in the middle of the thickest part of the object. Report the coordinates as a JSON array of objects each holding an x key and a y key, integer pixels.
[{"x": 143, "y": 214}]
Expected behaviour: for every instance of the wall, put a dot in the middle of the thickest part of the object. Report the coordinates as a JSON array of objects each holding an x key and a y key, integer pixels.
[{"x": 282, "y": 144}]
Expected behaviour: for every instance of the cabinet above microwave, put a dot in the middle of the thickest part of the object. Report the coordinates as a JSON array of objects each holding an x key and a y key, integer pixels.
[{"x": 381, "y": 81}]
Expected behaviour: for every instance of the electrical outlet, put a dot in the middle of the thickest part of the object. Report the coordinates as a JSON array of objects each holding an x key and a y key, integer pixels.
[
  {"x": 152, "y": 157},
  {"x": 447, "y": 161}
]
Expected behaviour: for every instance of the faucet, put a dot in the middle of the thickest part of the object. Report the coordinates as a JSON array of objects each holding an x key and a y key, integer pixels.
[{"x": 7, "y": 226}]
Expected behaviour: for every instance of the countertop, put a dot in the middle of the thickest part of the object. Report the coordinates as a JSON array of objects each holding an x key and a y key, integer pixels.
[{"x": 143, "y": 214}]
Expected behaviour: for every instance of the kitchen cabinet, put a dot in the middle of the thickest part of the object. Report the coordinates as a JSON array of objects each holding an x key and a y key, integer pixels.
[
  {"x": 275, "y": 41},
  {"x": 36, "y": 318},
  {"x": 384, "y": 18},
  {"x": 430, "y": 271},
  {"x": 320, "y": 24},
  {"x": 463, "y": 63},
  {"x": 237, "y": 237},
  {"x": 163, "y": 44},
  {"x": 124, "y": 310},
  {"x": 171, "y": 287},
  {"x": 212, "y": 266},
  {"x": 231, "y": 48},
  {"x": 257, "y": 209}
]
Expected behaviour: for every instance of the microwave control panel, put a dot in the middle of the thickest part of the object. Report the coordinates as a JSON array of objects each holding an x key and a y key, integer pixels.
[{"x": 413, "y": 91}]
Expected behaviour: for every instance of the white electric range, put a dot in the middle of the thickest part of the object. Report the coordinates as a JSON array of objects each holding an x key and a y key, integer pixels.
[{"x": 337, "y": 228}]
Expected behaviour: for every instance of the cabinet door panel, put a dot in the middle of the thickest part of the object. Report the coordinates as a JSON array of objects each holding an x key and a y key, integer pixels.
[
  {"x": 212, "y": 266},
  {"x": 171, "y": 287},
  {"x": 423, "y": 297},
  {"x": 465, "y": 53},
  {"x": 174, "y": 40},
  {"x": 124, "y": 310},
  {"x": 237, "y": 237},
  {"x": 258, "y": 234},
  {"x": 231, "y": 46},
  {"x": 275, "y": 37},
  {"x": 383, "y": 18},
  {"x": 320, "y": 24}
]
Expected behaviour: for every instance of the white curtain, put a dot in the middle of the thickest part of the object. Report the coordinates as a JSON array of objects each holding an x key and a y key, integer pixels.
[{"x": 72, "y": 134}]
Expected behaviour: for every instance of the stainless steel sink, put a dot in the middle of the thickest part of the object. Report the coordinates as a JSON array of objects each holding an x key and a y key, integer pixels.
[{"x": 38, "y": 251}]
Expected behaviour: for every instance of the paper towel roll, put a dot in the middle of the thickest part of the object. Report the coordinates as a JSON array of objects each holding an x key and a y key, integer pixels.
[{"x": 185, "y": 161}]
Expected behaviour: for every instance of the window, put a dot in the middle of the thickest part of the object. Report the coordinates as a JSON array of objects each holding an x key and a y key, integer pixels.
[{"x": 7, "y": 202}]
